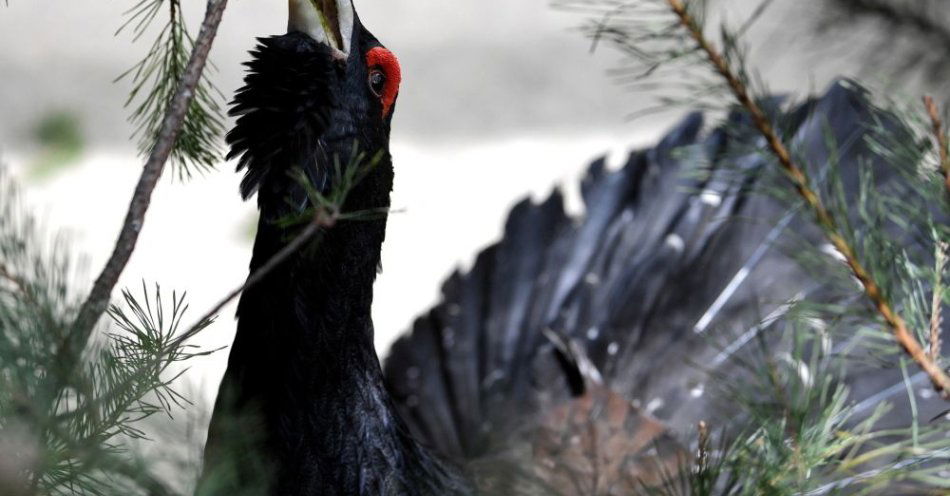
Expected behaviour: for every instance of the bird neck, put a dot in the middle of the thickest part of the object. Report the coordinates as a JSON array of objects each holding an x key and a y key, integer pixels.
[{"x": 304, "y": 358}]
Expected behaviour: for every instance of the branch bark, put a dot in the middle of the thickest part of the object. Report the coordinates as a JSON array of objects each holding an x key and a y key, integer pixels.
[
  {"x": 823, "y": 216},
  {"x": 936, "y": 300},
  {"x": 936, "y": 126},
  {"x": 97, "y": 301},
  {"x": 940, "y": 257}
]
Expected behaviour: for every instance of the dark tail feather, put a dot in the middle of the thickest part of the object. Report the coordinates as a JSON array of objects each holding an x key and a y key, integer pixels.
[{"x": 667, "y": 276}]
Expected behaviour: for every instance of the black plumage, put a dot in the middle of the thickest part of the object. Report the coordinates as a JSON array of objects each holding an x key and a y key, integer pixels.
[
  {"x": 302, "y": 408},
  {"x": 565, "y": 320},
  {"x": 664, "y": 281}
]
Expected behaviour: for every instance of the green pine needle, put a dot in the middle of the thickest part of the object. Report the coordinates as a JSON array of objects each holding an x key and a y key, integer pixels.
[{"x": 154, "y": 82}]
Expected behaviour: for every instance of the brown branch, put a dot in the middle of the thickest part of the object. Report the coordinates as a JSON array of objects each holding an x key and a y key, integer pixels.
[
  {"x": 823, "y": 216},
  {"x": 98, "y": 300},
  {"x": 941, "y": 137},
  {"x": 702, "y": 451},
  {"x": 936, "y": 303},
  {"x": 322, "y": 219}
]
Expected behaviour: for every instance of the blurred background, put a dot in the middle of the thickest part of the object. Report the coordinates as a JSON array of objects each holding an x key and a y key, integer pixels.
[{"x": 499, "y": 100}]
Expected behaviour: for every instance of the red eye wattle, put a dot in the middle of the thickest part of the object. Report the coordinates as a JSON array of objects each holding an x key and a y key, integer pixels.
[{"x": 384, "y": 76}]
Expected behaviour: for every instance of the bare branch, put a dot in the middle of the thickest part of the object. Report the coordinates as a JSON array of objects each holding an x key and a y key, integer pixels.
[
  {"x": 98, "y": 300},
  {"x": 823, "y": 216}
]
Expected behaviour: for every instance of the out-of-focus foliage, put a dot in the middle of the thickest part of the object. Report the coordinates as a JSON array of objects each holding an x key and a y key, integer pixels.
[
  {"x": 68, "y": 430},
  {"x": 59, "y": 130},
  {"x": 60, "y": 138}
]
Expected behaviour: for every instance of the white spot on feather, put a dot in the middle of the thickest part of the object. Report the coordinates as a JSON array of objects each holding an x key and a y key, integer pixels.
[
  {"x": 697, "y": 390},
  {"x": 654, "y": 405},
  {"x": 711, "y": 198},
  {"x": 675, "y": 242}
]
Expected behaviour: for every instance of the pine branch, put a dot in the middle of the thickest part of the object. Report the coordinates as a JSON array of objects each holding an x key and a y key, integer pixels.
[
  {"x": 940, "y": 137},
  {"x": 98, "y": 300},
  {"x": 73, "y": 440},
  {"x": 823, "y": 216},
  {"x": 940, "y": 255},
  {"x": 154, "y": 81},
  {"x": 936, "y": 301}
]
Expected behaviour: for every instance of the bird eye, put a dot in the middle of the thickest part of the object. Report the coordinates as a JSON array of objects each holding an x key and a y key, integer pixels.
[
  {"x": 377, "y": 82},
  {"x": 384, "y": 77}
]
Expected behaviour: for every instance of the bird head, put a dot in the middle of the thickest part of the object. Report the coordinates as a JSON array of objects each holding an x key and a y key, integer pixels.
[
  {"x": 334, "y": 23},
  {"x": 312, "y": 97}
]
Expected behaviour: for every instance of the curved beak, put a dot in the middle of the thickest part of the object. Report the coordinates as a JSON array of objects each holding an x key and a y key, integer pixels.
[{"x": 330, "y": 22}]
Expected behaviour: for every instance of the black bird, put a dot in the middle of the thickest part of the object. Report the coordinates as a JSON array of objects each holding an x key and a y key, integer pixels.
[
  {"x": 570, "y": 336},
  {"x": 303, "y": 403}
]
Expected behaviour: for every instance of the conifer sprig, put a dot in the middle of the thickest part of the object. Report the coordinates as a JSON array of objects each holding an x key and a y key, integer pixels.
[
  {"x": 824, "y": 217},
  {"x": 801, "y": 433},
  {"x": 155, "y": 81},
  {"x": 75, "y": 439},
  {"x": 670, "y": 32},
  {"x": 175, "y": 114},
  {"x": 940, "y": 140}
]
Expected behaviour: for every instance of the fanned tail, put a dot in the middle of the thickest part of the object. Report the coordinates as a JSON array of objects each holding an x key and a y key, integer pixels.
[{"x": 667, "y": 278}]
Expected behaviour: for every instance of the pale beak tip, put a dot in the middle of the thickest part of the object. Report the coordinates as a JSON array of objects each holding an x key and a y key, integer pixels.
[{"x": 329, "y": 22}]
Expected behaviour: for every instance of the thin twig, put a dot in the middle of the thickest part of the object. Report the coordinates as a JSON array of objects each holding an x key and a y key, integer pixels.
[
  {"x": 823, "y": 216},
  {"x": 702, "y": 451},
  {"x": 98, "y": 300},
  {"x": 322, "y": 219},
  {"x": 18, "y": 283},
  {"x": 936, "y": 303},
  {"x": 941, "y": 137}
]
